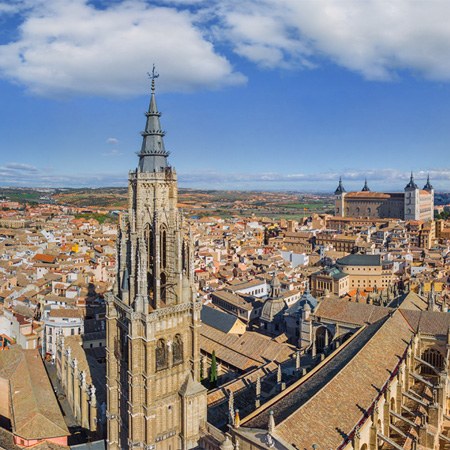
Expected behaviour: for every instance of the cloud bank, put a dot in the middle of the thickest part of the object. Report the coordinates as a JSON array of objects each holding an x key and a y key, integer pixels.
[
  {"x": 19, "y": 174},
  {"x": 72, "y": 47},
  {"x": 375, "y": 38}
]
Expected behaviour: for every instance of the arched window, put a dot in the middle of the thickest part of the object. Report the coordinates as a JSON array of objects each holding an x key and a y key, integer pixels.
[
  {"x": 433, "y": 357},
  {"x": 149, "y": 244},
  {"x": 163, "y": 287},
  {"x": 161, "y": 355},
  {"x": 323, "y": 339},
  {"x": 177, "y": 350},
  {"x": 164, "y": 248}
]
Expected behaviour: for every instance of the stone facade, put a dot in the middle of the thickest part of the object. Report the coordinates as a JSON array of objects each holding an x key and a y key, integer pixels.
[{"x": 155, "y": 399}]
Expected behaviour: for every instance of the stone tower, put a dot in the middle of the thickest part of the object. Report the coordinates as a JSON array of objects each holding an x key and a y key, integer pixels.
[
  {"x": 412, "y": 200},
  {"x": 339, "y": 200},
  {"x": 155, "y": 400}
]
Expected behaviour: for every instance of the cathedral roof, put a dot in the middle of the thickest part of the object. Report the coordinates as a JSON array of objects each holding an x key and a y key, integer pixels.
[
  {"x": 36, "y": 414},
  {"x": 310, "y": 411}
]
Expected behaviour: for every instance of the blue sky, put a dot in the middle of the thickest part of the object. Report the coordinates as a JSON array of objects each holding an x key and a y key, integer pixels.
[{"x": 255, "y": 94}]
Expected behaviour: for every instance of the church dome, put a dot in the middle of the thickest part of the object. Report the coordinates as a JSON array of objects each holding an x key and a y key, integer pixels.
[{"x": 271, "y": 308}]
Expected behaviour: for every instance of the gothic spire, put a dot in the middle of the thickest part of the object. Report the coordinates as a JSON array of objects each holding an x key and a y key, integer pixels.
[
  {"x": 365, "y": 187},
  {"x": 340, "y": 189},
  {"x": 153, "y": 155},
  {"x": 428, "y": 186}
]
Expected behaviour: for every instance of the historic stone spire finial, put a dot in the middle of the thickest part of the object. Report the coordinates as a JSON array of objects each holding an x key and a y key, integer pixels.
[
  {"x": 411, "y": 184},
  {"x": 153, "y": 155},
  {"x": 428, "y": 186},
  {"x": 271, "y": 425},
  {"x": 340, "y": 189},
  {"x": 365, "y": 187}
]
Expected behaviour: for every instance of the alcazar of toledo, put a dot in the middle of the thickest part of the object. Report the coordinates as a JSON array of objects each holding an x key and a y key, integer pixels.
[{"x": 411, "y": 204}]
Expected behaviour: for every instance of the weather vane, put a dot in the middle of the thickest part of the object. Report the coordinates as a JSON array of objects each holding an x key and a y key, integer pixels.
[{"x": 153, "y": 76}]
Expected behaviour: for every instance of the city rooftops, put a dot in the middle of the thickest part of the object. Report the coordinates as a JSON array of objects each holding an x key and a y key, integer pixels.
[{"x": 360, "y": 260}]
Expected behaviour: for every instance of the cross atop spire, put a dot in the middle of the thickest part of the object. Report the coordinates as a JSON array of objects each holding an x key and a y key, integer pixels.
[{"x": 153, "y": 76}]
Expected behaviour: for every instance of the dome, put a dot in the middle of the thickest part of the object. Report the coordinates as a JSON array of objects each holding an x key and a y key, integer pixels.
[{"x": 271, "y": 308}]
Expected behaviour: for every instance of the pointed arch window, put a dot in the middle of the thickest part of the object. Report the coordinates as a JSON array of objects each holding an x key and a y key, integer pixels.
[
  {"x": 433, "y": 357},
  {"x": 183, "y": 256},
  {"x": 164, "y": 248},
  {"x": 149, "y": 244},
  {"x": 177, "y": 350},
  {"x": 161, "y": 355}
]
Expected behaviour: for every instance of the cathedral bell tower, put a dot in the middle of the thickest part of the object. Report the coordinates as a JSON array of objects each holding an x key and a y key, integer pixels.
[{"x": 155, "y": 399}]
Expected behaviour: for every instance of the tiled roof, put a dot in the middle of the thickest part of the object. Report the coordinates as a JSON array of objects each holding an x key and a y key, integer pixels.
[
  {"x": 36, "y": 414},
  {"x": 244, "y": 351},
  {"x": 218, "y": 319},
  {"x": 341, "y": 310},
  {"x": 340, "y": 408},
  {"x": 322, "y": 408}
]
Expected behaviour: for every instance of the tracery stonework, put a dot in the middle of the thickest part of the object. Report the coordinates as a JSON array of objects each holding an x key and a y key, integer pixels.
[{"x": 155, "y": 399}]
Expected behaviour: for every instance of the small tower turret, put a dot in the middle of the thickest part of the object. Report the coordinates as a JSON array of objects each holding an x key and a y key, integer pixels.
[
  {"x": 428, "y": 186},
  {"x": 340, "y": 189},
  {"x": 365, "y": 187},
  {"x": 339, "y": 202}
]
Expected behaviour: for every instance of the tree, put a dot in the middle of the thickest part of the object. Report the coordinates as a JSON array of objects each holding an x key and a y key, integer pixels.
[{"x": 213, "y": 370}]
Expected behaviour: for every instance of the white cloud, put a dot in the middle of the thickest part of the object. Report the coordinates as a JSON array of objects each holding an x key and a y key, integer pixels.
[
  {"x": 112, "y": 141},
  {"x": 18, "y": 167},
  {"x": 70, "y": 47},
  {"x": 373, "y": 37}
]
